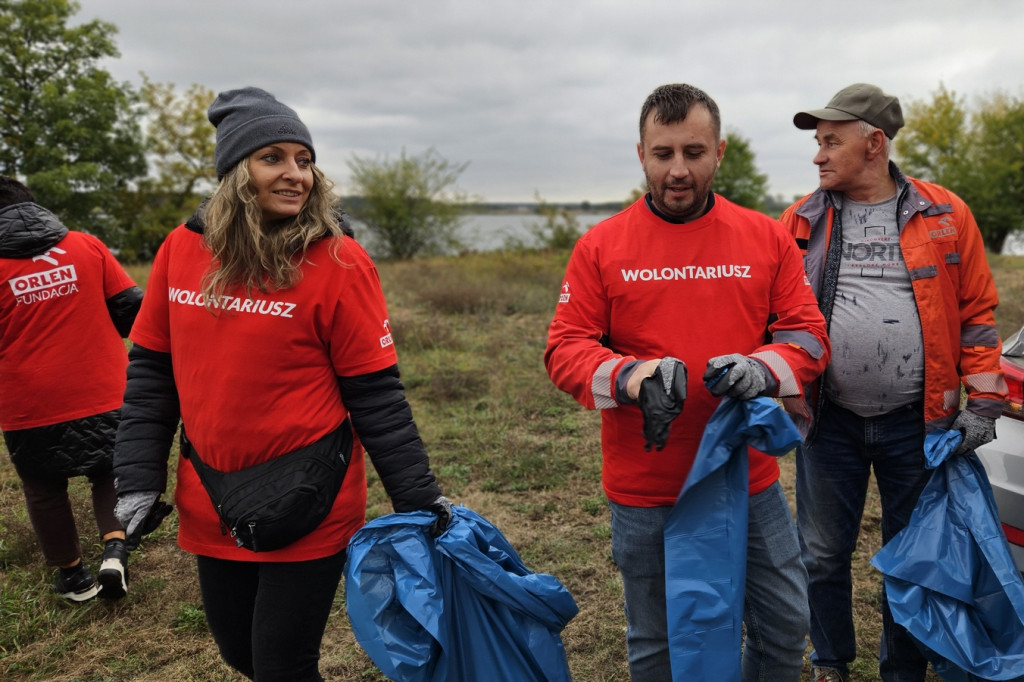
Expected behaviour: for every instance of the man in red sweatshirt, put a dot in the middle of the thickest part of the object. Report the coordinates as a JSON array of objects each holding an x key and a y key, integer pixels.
[{"x": 685, "y": 279}]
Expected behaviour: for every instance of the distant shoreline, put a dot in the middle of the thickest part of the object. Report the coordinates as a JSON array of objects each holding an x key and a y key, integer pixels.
[{"x": 524, "y": 207}]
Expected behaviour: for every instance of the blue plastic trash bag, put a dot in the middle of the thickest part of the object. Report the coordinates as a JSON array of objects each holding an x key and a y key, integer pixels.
[
  {"x": 458, "y": 608},
  {"x": 706, "y": 539},
  {"x": 949, "y": 575}
]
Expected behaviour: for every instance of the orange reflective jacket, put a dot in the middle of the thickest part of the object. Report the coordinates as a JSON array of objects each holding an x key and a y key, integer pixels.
[{"x": 953, "y": 288}]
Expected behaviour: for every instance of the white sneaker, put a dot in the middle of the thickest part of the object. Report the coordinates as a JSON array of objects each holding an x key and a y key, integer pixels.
[{"x": 113, "y": 575}]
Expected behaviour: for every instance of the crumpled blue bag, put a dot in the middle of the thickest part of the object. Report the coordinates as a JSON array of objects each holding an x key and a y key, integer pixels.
[
  {"x": 460, "y": 607},
  {"x": 706, "y": 539},
  {"x": 949, "y": 576}
]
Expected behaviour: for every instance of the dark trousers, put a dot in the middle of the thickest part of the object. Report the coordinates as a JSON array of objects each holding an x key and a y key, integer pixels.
[
  {"x": 45, "y": 457},
  {"x": 832, "y": 477},
  {"x": 268, "y": 617},
  {"x": 49, "y": 510}
]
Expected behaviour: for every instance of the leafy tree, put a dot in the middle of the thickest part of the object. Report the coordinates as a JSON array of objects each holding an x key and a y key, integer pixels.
[
  {"x": 558, "y": 228},
  {"x": 997, "y": 195},
  {"x": 179, "y": 141},
  {"x": 977, "y": 154},
  {"x": 738, "y": 179},
  {"x": 65, "y": 126},
  {"x": 410, "y": 204},
  {"x": 775, "y": 204},
  {"x": 635, "y": 194},
  {"x": 935, "y": 141},
  {"x": 179, "y": 138}
]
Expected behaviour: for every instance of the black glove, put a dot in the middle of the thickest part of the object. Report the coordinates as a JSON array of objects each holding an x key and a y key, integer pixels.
[
  {"x": 442, "y": 506},
  {"x": 976, "y": 429},
  {"x": 661, "y": 399},
  {"x": 736, "y": 376}
]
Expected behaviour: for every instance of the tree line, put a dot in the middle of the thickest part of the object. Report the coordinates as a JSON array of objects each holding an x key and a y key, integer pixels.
[{"x": 128, "y": 164}]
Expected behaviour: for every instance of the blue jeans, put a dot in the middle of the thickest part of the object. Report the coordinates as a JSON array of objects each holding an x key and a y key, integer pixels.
[
  {"x": 832, "y": 476},
  {"x": 774, "y": 611}
]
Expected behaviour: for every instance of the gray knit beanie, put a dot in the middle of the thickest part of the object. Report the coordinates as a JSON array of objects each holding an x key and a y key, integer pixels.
[{"x": 250, "y": 118}]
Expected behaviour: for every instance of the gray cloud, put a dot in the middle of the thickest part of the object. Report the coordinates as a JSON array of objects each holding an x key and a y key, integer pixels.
[{"x": 543, "y": 97}]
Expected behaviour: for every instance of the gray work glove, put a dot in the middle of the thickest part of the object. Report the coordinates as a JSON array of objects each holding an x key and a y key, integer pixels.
[
  {"x": 140, "y": 513},
  {"x": 976, "y": 429},
  {"x": 661, "y": 399},
  {"x": 736, "y": 376},
  {"x": 442, "y": 506}
]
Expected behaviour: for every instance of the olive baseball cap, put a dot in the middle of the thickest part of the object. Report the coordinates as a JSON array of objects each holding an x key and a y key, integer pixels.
[{"x": 858, "y": 101}]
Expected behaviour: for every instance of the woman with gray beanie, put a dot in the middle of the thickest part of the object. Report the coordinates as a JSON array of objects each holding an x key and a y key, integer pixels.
[{"x": 265, "y": 332}]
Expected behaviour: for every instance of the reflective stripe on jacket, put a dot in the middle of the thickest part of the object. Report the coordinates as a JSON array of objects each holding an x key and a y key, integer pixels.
[{"x": 952, "y": 283}]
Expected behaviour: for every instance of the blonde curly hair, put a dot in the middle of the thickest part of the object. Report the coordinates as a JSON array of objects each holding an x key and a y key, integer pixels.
[{"x": 258, "y": 256}]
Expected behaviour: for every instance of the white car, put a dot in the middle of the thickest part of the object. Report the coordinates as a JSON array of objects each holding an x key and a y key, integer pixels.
[{"x": 1004, "y": 457}]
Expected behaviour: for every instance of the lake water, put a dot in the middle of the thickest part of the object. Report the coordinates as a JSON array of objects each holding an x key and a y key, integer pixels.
[{"x": 494, "y": 231}]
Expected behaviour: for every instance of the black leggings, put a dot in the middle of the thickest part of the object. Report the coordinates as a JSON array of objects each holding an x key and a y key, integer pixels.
[{"x": 268, "y": 617}]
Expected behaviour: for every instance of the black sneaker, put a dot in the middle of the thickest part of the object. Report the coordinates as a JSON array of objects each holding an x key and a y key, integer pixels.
[
  {"x": 114, "y": 570},
  {"x": 76, "y": 583}
]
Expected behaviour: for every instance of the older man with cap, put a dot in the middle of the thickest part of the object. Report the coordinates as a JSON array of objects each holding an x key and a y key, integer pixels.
[{"x": 899, "y": 270}]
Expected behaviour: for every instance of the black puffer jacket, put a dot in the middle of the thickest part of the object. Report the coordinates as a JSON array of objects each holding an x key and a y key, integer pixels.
[
  {"x": 27, "y": 230},
  {"x": 81, "y": 446},
  {"x": 380, "y": 413}
]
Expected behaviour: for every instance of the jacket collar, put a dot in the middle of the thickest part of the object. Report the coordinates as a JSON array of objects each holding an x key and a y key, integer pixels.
[
  {"x": 821, "y": 200},
  {"x": 195, "y": 223},
  {"x": 27, "y": 229}
]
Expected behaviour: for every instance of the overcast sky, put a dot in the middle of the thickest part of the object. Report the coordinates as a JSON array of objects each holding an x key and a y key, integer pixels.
[{"x": 543, "y": 96}]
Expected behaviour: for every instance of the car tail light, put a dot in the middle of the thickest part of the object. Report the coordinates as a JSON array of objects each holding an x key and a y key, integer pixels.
[
  {"x": 1014, "y": 406},
  {"x": 1014, "y": 535}
]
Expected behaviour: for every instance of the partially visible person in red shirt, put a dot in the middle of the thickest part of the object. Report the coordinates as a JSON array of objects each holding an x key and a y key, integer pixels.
[{"x": 60, "y": 406}]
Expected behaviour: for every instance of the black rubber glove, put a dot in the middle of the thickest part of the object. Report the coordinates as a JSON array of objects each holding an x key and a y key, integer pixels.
[
  {"x": 442, "y": 506},
  {"x": 661, "y": 400}
]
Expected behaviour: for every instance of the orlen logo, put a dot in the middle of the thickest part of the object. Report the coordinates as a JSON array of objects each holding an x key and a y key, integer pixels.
[
  {"x": 946, "y": 229},
  {"x": 564, "y": 296},
  {"x": 43, "y": 280},
  {"x": 387, "y": 340}
]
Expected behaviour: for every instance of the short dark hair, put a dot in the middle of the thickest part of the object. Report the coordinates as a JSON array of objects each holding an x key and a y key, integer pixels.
[
  {"x": 672, "y": 102},
  {"x": 13, "y": 192}
]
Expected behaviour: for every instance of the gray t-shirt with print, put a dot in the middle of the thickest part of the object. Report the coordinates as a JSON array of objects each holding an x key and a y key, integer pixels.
[{"x": 877, "y": 351}]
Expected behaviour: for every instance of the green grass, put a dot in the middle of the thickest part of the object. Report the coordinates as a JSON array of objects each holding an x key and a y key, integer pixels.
[{"x": 470, "y": 332}]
